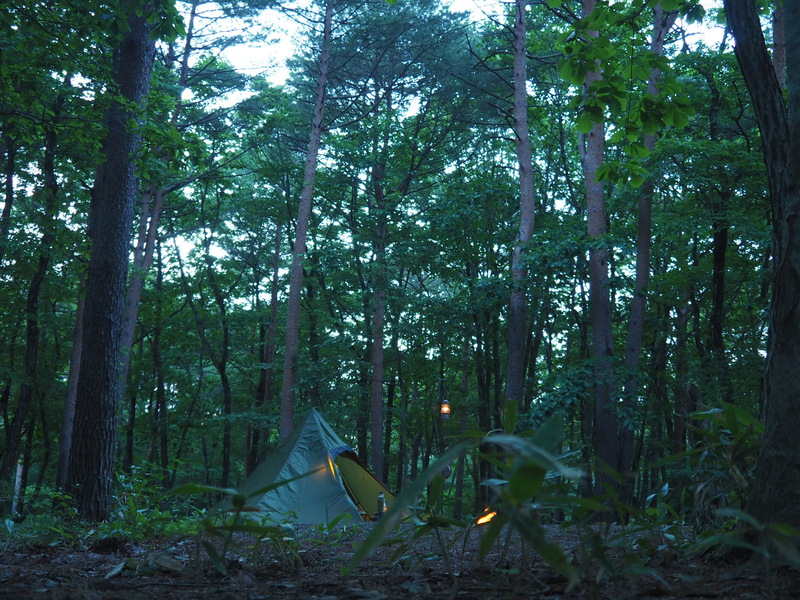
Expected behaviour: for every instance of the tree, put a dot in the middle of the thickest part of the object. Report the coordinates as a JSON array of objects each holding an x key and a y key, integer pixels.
[
  {"x": 303, "y": 216},
  {"x": 773, "y": 496},
  {"x": 91, "y": 467},
  {"x": 662, "y": 23},
  {"x": 592, "y": 148},
  {"x": 517, "y": 309}
]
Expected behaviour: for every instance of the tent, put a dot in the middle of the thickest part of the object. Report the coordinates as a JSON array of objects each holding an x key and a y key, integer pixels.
[{"x": 327, "y": 479}]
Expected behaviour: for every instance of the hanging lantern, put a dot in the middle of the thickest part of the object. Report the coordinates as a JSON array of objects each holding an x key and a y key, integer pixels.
[{"x": 444, "y": 410}]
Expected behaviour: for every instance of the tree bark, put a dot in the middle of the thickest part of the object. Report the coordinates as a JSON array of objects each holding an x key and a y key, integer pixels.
[
  {"x": 775, "y": 494},
  {"x": 91, "y": 469},
  {"x": 379, "y": 279},
  {"x": 517, "y": 310},
  {"x": 68, "y": 414},
  {"x": 592, "y": 149},
  {"x": 662, "y": 23},
  {"x": 292, "y": 344},
  {"x": 779, "y": 43}
]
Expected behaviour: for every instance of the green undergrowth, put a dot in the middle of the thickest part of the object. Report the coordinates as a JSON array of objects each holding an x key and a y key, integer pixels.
[{"x": 533, "y": 487}]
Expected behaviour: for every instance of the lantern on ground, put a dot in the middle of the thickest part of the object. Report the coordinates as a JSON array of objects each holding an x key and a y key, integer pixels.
[
  {"x": 486, "y": 517},
  {"x": 381, "y": 506}
]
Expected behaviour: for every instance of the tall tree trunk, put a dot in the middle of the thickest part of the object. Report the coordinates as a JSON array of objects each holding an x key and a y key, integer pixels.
[
  {"x": 161, "y": 387},
  {"x": 716, "y": 358},
  {"x": 403, "y": 435},
  {"x": 91, "y": 469},
  {"x": 378, "y": 319},
  {"x": 662, "y": 23},
  {"x": 303, "y": 216},
  {"x": 592, "y": 149},
  {"x": 517, "y": 310},
  {"x": 774, "y": 496}
]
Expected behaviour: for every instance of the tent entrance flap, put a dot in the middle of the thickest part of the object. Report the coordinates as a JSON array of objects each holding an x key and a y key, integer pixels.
[{"x": 362, "y": 486}]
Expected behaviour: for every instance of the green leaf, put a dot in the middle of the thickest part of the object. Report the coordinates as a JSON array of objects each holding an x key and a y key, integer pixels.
[
  {"x": 550, "y": 434},
  {"x": 436, "y": 490},
  {"x": 585, "y": 122},
  {"x": 552, "y": 553},
  {"x": 490, "y": 534},
  {"x": 525, "y": 482},
  {"x": 400, "y": 508},
  {"x": 680, "y": 119},
  {"x": 216, "y": 560}
]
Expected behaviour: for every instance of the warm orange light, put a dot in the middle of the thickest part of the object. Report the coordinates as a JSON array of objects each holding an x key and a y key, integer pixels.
[
  {"x": 444, "y": 410},
  {"x": 486, "y": 517},
  {"x": 330, "y": 464}
]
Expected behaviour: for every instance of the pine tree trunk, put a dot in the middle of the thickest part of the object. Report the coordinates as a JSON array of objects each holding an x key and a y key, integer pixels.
[
  {"x": 292, "y": 346},
  {"x": 91, "y": 470}
]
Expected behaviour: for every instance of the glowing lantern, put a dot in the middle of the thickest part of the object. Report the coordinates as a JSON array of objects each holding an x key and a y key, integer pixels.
[
  {"x": 486, "y": 517},
  {"x": 381, "y": 507},
  {"x": 444, "y": 410}
]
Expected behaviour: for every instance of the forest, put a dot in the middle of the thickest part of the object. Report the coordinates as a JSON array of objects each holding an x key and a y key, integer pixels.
[{"x": 546, "y": 248}]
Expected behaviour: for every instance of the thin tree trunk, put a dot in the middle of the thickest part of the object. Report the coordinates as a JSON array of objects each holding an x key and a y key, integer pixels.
[
  {"x": 292, "y": 345},
  {"x": 717, "y": 358},
  {"x": 592, "y": 149},
  {"x": 68, "y": 414},
  {"x": 218, "y": 353},
  {"x": 681, "y": 390},
  {"x": 662, "y": 23},
  {"x": 378, "y": 319},
  {"x": 268, "y": 334},
  {"x": 517, "y": 310},
  {"x": 458, "y": 505},
  {"x": 403, "y": 441},
  {"x": 158, "y": 365},
  {"x": 151, "y": 205}
]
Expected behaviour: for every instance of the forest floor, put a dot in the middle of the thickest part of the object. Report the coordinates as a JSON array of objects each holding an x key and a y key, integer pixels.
[{"x": 308, "y": 566}]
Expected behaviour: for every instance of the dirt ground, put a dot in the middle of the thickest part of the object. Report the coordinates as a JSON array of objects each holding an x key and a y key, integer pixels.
[{"x": 307, "y": 565}]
